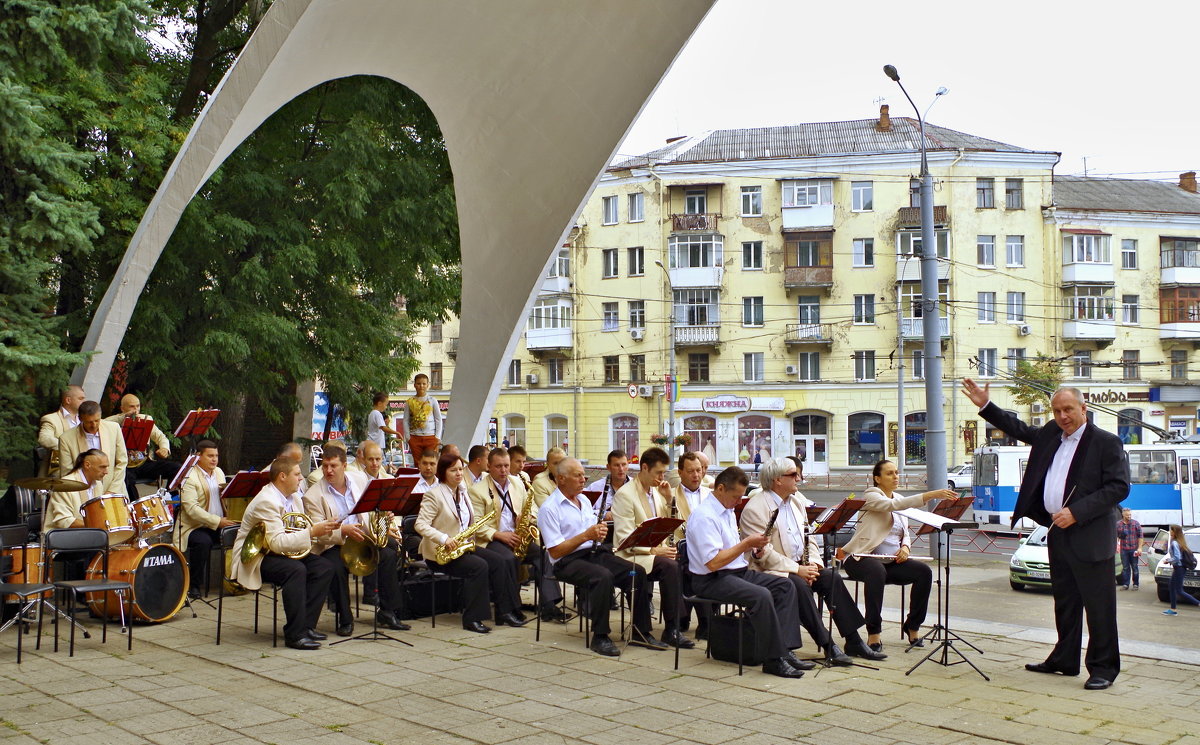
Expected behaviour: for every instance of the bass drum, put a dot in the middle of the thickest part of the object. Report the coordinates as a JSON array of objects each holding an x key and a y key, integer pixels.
[{"x": 158, "y": 574}]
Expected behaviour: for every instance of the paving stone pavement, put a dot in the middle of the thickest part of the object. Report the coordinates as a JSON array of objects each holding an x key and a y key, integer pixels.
[{"x": 178, "y": 688}]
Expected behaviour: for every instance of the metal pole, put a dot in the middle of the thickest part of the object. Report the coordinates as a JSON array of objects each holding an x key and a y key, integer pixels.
[
  {"x": 669, "y": 389},
  {"x": 900, "y": 380}
]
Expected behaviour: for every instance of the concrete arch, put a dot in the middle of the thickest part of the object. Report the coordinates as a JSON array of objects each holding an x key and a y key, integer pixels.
[{"x": 533, "y": 97}]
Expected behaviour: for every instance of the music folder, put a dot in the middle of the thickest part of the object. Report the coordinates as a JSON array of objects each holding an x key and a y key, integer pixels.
[
  {"x": 651, "y": 533},
  {"x": 390, "y": 495},
  {"x": 136, "y": 433},
  {"x": 183, "y": 472},
  {"x": 246, "y": 484},
  {"x": 197, "y": 422}
]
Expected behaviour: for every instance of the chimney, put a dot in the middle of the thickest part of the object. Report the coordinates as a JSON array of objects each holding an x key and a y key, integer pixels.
[
  {"x": 1187, "y": 181},
  {"x": 885, "y": 121}
]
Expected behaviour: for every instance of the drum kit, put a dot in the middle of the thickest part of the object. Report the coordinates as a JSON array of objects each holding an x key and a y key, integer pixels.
[{"x": 158, "y": 572}]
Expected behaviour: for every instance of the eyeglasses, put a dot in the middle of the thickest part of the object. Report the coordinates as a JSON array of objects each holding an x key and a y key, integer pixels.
[{"x": 795, "y": 474}]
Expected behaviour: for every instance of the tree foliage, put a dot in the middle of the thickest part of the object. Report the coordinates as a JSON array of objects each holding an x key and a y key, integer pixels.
[{"x": 1037, "y": 379}]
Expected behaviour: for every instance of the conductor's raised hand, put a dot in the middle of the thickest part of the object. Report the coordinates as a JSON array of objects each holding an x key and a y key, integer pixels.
[{"x": 979, "y": 396}]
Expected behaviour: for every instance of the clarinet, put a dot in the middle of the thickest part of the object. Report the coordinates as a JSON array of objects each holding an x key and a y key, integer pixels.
[
  {"x": 598, "y": 546},
  {"x": 768, "y": 531}
]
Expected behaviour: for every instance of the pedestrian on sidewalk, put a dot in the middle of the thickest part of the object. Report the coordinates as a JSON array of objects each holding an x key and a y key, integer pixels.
[
  {"x": 1129, "y": 543},
  {"x": 1182, "y": 560}
]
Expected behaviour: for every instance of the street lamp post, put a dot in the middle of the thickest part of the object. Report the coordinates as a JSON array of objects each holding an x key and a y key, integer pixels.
[
  {"x": 935, "y": 425},
  {"x": 669, "y": 388}
]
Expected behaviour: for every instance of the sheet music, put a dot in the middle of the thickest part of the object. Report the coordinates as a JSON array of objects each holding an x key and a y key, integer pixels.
[
  {"x": 183, "y": 472},
  {"x": 937, "y": 522}
]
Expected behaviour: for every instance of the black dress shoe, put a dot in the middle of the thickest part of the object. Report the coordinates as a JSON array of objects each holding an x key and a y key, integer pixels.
[
  {"x": 837, "y": 657},
  {"x": 510, "y": 619},
  {"x": 1045, "y": 667},
  {"x": 345, "y": 629},
  {"x": 476, "y": 626},
  {"x": 860, "y": 649},
  {"x": 603, "y": 645},
  {"x": 876, "y": 647},
  {"x": 553, "y": 614},
  {"x": 797, "y": 663},
  {"x": 387, "y": 620},
  {"x": 701, "y": 631},
  {"x": 302, "y": 643},
  {"x": 677, "y": 639},
  {"x": 315, "y": 635},
  {"x": 918, "y": 642},
  {"x": 781, "y": 669},
  {"x": 1096, "y": 683},
  {"x": 646, "y": 640}
]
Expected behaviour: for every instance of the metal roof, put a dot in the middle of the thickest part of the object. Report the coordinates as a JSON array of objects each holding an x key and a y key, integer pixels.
[{"x": 1123, "y": 195}]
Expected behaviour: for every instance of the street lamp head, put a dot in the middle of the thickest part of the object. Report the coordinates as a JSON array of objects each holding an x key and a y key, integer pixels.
[{"x": 890, "y": 71}]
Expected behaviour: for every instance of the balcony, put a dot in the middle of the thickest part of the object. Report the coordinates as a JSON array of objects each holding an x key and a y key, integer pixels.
[
  {"x": 697, "y": 336},
  {"x": 696, "y": 276},
  {"x": 556, "y": 285},
  {"x": 1088, "y": 272},
  {"x": 1187, "y": 330},
  {"x": 914, "y": 328},
  {"x": 548, "y": 339},
  {"x": 812, "y": 216},
  {"x": 1179, "y": 275},
  {"x": 807, "y": 276},
  {"x": 1098, "y": 330},
  {"x": 702, "y": 222},
  {"x": 910, "y": 217},
  {"x": 908, "y": 268},
  {"x": 808, "y": 333},
  {"x": 452, "y": 348}
]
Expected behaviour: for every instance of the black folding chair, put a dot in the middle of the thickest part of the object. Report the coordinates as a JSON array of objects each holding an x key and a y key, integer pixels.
[
  {"x": 28, "y": 594},
  {"x": 94, "y": 540},
  {"x": 228, "y": 538}
]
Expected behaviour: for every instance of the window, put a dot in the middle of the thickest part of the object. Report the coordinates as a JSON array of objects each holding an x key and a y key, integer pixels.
[
  {"x": 1014, "y": 357},
  {"x": 864, "y": 309},
  {"x": 810, "y": 308},
  {"x": 1179, "y": 305},
  {"x": 908, "y": 243},
  {"x": 550, "y": 313},
  {"x": 752, "y": 367},
  {"x": 1130, "y": 369},
  {"x": 637, "y": 368},
  {"x": 637, "y": 314},
  {"x": 1129, "y": 309},
  {"x": 1129, "y": 428},
  {"x": 1129, "y": 254},
  {"x": 1081, "y": 363},
  {"x": 751, "y": 201},
  {"x": 752, "y": 311},
  {"x": 754, "y": 438},
  {"x": 514, "y": 373},
  {"x": 556, "y": 431},
  {"x": 514, "y": 429},
  {"x": 986, "y": 302},
  {"x": 561, "y": 266},
  {"x": 862, "y": 196},
  {"x": 637, "y": 207},
  {"x": 610, "y": 209},
  {"x": 863, "y": 252},
  {"x": 435, "y": 332},
  {"x": 698, "y": 367},
  {"x": 1086, "y": 249},
  {"x": 696, "y": 307},
  {"x": 611, "y": 315},
  {"x": 625, "y": 433},
  {"x": 609, "y": 263},
  {"x": 985, "y": 193},
  {"x": 1014, "y": 250},
  {"x": 612, "y": 369},
  {"x": 637, "y": 261},
  {"x": 752, "y": 255},
  {"x": 1016, "y": 307},
  {"x": 1179, "y": 360},
  {"x": 694, "y": 251},
  {"x": 809, "y": 367},
  {"x": 985, "y": 250},
  {"x": 695, "y": 201},
  {"x": 987, "y": 363},
  {"x": 1090, "y": 303},
  {"x": 915, "y": 425},
  {"x": 914, "y": 192},
  {"x": 864, "y": 365},
  {"x": 807, "y": 193},
  {"x": 918, "y": 364},
  {"x": 1179, "y": 252},
  {"x": 864, "y": 439},
  {"x": 554, "y": 367},
  {"x": 1014, "y": 194},
  {"x": 435, "y": 376},
  {"x": 703, "y": 430}
]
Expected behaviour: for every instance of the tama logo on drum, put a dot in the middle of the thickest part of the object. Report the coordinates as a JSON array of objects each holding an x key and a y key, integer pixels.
[{"x": 158, "y": 561}]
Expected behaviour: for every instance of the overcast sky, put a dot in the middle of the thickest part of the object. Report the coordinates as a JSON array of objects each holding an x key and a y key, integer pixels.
[{"x": 1114, "y": 84}]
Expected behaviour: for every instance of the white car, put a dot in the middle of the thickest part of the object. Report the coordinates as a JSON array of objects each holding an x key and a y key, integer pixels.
[
  {"x": 1162, "y": 570},
  {"x": 1029, "y": 565},
  {"x": 961, "y": 476}
]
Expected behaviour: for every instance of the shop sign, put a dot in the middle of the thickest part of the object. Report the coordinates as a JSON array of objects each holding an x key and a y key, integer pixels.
[
  {"x": 1115, "y": 397},
  {"x": 726, "y": 404}
]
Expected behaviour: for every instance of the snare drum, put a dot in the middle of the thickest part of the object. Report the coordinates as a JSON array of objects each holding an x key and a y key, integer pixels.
[
  {"x": 111, "y": 514},
  {"x": 152, "y": 516},
  {"x": 27, "y": 566},
  {"x": 158, "y": 574}
]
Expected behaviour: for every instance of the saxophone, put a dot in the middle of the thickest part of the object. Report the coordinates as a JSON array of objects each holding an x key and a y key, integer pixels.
[
  {"x": 526, "y": 531},
  {"x": 464, "y": 541}
]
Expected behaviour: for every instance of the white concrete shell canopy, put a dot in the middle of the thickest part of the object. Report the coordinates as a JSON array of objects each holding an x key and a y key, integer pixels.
[{"x": 532, "y": 96}]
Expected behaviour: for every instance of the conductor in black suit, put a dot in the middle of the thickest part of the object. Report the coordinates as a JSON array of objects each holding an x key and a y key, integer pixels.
[{"x": 1076, "y": 477}]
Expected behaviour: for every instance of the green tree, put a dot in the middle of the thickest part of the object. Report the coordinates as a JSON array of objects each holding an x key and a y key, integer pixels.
[{"x": 1036, "y": 380}]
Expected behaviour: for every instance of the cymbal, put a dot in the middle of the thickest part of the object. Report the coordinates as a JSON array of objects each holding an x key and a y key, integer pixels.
[{"x": 39, "y": 483}]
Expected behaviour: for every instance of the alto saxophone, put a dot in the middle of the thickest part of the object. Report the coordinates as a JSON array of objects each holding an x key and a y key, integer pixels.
[
  {"x": 464, "y": 541},
  {"x": 526, "y": 531}
]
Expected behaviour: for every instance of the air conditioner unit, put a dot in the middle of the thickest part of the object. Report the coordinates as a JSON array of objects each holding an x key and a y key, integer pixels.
[
  {"x": 637, "y": 334},
  {"x": 1038, "y": 407},
  {"x": 531, "y": 379},
  {"x": 791, "y": 369},
  {"x": 1024, "y": 329},
  {"x": 1036, "y": 421},
  {"x": 645, "y": 391}
]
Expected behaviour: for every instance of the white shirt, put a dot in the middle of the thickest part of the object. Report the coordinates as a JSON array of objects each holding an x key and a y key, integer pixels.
[
  {"x": 345, "y": 501},
  {"x": 694, "y": 498},
  {"x": 284, "y": 500},
  {"x": 375, "y": 424},
  {"x": 500, "y": 492},
  {"x": 1053, "y": 494},
  {"x": 214, "y": 493},
  {"x": 423, "y": 485},
  {"x": 891, "y": 543},
  {"x": 72, "y": 420},
  {"x": 790, "y": 524},
  {"x": 93, "y": 441},
  {"x": 559, "y": 520},
  {"x": 473, "y": 479},
  {"x": 607, "y": 491},
  {"x": 711, "y": 529}
]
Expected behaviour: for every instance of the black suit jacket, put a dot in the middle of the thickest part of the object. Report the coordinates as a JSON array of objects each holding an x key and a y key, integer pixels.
[{"x": 1097, "y": 482}]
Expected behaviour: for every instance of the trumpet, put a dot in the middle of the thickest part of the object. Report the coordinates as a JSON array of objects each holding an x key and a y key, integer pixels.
[
  {"x": 362, "y": 557},
  {"x": 464, "y": 541},
  {"x": 256, "y": 540}
]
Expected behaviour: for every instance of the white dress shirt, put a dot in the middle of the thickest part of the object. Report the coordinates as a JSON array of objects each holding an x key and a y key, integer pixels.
[
  {"x": 500, "y": 493},
  {"x": 1056, "y": 476},
  {"x": 214, "y": 493},
  {"x": 345, "y": 501},
  {"x": 694, "y": 498},
  {"x": 560, "y": 519},
  {"x": 711, "y": 529},
  {"x": 423, "y": 485}
]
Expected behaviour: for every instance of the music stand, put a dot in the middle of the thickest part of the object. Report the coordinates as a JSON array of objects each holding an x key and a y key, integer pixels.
[
  {"x": 136, "y": 433},
  {"x": 826, "y": 522},
  {"x": 196, "y": 424},
  {"x": 390, "y": 495},
  {"x": 944, "y": 519},
  {"x": 176, "y": 504},
  {"x": 244, "y": 485},
  {"x": 649, "y": 534}
]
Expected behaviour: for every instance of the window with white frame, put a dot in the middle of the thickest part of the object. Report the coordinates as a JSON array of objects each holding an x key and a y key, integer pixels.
[
  {"x": 751, "y": 201},
  {"x": 697, "y": 307},
  {"x": 864, "y": 365},
  {"x": 637, "y": 261},
  {"x": 1179, "y": 252},
  {"x": 637, "y": 314},
  {"x": 694, "y": 251},
  {"x": 862, "y": 196},
  {"x": 863, "y": 252},
  {"x": 809, "y": 193},
  {"x": 754, "y": 438},
  {"x": 986, "y": 307},
  {"x": 555, "y": 370},
  {"x": 918, "y": 364},
  {"x": 1086, "y": 248},
  {"x": 556, "y": 431},
  {"x": 809, "y": 367},
  {"x": 810, "y": 308},
  {"x": 703, "y": 430},
  {"x": 561, "y": 266},
  {"x": 1089, "y": 303},
  {"x": 695, "y": 201},
  {"x": 610, "y": 209},
  {"x": 610, "y": 314},
  {"x": 514, "y": 429},
  {"x": 987, "y": 363},
  {"x": 1130, "y": 364},
  {"x": 985, "y": 193},
  {"x": 752, "y": 367},
  {"x": 1129, "y": 309},
  {"x": 752, "y": 255},
  {"x": 1016, "y": 307},
  {"x": 551, "y": 313},
  {"x": 609, "y": 263},
  {"x": 637, "y": 207},
  {"x": 1015, "y": 356},
  {"x": 908, "y": 243},
  {"x": 864, "y": 309},
  {"x": 1129, "y": 254},
  {"x": 752, "y": 311},
  {"x": 1014, "y": 250},
  {"x": 1014, "y": 194},
  {"x": 985, "y": 250},
  {"x": 1081, "y": 363},
  {"x": 514, "y": 373},
  {"x": 625, "y": 433}
]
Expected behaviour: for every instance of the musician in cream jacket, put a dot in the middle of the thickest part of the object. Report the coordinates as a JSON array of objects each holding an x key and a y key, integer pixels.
[
  {"x": 201, "y": 514},
  {"x": 305, "y": 581},
  {"x": 95, "y": 433},
  {"x": 542, "y": 484},
  {"x": 52, "y": 426},
  {"x": 63, "y": 507}
]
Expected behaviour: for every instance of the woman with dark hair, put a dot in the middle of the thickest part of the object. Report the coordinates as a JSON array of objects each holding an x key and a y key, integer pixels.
[
  {"x": 1180, "y": 556},
  {"x": 445, "y": 512},
  {"x": 878, "y": 553}
]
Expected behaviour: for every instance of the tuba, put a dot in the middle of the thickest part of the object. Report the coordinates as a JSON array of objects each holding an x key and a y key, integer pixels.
[
  {"x": 464, "y": 540},
  {"x": 362, "y": 557},
  {"x": 256, "y": 540},
  {"x": 136, "y": 458}
]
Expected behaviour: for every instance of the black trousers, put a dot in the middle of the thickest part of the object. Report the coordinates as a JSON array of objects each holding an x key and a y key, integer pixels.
[
  {"x": 828, "y": 586},
  {"x": 667, "y": 574},
  {"x": 387, "y": 582},
  {"x": 874, "y": 574},
  {"x": 151, "y": 469},
  {"x": 1080, "y": 586},
  {"x": 199, "y": 546},
  {"x": 304, "y": 582},
  {"x": 600, "y": 571},
  {"x": 770, "y": 600},
  {"x": 548, "y": 591}
]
